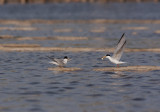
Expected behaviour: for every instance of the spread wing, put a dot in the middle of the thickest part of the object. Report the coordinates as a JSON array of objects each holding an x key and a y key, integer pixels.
[
  {"x": 59, "y": 61},
  {"x": 56, "y": 61},
  {"x": 119, "y": 48}
]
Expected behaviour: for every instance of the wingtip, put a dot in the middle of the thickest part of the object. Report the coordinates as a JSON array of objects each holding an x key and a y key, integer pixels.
[
  {"x": 123, "y": 34},
  {"x": 50, "y": 57},
  {"x": 125, "y": 42},
  {"x": 121, "y": 38}
]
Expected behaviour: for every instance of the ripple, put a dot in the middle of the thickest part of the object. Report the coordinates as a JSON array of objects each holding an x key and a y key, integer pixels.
[
  {"x": 108, "y": 72},
  {"x": 23, "y": 88},
  {"x": 52, "y": 87},
  {"x": 95, "y": 66},
  {"x": 106, "y": 89},
  {"x": 69, "y": 87},
  {"x": 33, "y": 100},
  {"x": 38, "y": 109},
  {"x": 34, "y": 83},
  {"x": 138, "y": 99},
  {"x": 143, "y": 61},
  {"x": 139, "y": 77},
  {"x": 61, "y": 90},
  {"x": 31, "y": 93},
  {"x": 107, "y": 81},
  {"x": 95, "y": 95},
  {"x": 127, "y": 77},
  {"x": 154, "y": 80},
  {"x": 2, "y": 73},
  {"x": 37, "y": 75},
  {"x": 51, "y": 92},
  {"x": 89, "y": 85},
  {"x": 145, "y": 86},
  {"x": 55, "y": 83},
  {"x": 74, "y": 82},
  {"x": 127, "y": 85}
]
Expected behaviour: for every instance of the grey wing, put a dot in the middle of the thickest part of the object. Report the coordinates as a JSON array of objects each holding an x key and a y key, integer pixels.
[
  {"x": 119, "y": 48},
  {"x": 59, "y": 61}
]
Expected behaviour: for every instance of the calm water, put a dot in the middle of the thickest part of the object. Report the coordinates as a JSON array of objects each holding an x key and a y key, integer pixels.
[
  {"x": 27, "y": 85},
  {"x": 82, "y": 11}
]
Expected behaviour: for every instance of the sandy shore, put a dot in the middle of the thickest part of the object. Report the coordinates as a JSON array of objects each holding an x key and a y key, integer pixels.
[
  {"x": 99, "y": 21},
  {"x": 129, "y": 68},
  {"x": 37, "y": 47}
]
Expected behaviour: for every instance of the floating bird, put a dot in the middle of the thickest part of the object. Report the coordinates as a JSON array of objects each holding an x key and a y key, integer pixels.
[
  {"x": 59, "y": 62},
  {"x": 118, "y": 52}
]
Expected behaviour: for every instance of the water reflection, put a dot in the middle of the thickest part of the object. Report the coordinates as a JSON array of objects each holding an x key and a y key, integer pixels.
[{"x": 118, "y": 74}]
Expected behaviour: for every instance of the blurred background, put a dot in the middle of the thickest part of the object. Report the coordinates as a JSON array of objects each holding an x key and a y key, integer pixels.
[
  {"x": 88, "y": 20},
  {"x": 68, "y": 1}
]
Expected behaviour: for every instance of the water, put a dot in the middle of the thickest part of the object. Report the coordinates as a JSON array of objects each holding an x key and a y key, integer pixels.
[
  {"x": 81, "y": 11},
  {"x": 27, "y": 85}
]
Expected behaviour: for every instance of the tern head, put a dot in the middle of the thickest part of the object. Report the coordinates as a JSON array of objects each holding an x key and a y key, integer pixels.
[
  {"x": 106, "y": 56},
  {"x": 65, "y": 60},
  {"x": 65, "y": 57}
]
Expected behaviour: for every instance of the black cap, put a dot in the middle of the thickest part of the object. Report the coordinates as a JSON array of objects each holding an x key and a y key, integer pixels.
[{"x": 65, "y": 57}]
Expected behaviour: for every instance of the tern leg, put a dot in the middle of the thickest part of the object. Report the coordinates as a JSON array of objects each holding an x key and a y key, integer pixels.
[
  {"x": 117, "y": 65},
  {"x": 60, "y": 66}
]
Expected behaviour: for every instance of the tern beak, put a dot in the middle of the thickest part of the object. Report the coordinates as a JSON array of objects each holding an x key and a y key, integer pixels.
[{"x": 103, "y": 57}]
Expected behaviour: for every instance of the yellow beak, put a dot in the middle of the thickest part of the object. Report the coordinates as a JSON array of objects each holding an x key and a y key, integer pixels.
[{"x": 103, "y": 57}]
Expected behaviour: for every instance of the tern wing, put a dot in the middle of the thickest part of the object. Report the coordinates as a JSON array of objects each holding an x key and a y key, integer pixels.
[
  {"x": 58, "y": 61},
  {"x": 119, "y": 48}
]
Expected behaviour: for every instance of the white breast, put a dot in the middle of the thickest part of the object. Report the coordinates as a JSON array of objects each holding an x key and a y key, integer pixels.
[
  {"x": 65, "y": 61},
  {"x": 115, "y": 61}
]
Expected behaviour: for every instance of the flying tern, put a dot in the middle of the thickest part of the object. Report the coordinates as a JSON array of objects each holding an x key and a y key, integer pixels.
[{"x": 115, "y": 58}]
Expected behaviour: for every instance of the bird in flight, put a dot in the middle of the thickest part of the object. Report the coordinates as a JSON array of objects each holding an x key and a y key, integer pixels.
[{"x": 115, "y": 58}]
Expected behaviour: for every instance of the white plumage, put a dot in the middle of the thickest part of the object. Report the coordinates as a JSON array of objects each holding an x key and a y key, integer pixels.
[
  {"x": 59, "y": 62},
  {"x": 118, "y": 51}
]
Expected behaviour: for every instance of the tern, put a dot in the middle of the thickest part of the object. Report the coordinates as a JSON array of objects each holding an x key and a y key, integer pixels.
[
  {"x": 59, "y": 62},
  {"x": 115, "y": 58}
]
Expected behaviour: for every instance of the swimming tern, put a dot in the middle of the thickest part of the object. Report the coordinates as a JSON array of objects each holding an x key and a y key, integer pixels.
[
  {"x": 59, "y": 62},
  {"x": 115, "y": 58}
]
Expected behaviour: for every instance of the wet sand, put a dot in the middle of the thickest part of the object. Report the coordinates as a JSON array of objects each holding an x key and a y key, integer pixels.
[
  {"x": 97, "y": 21},
  {"x": 129, "y": 68},
  {"x": 37, "y": 47}
]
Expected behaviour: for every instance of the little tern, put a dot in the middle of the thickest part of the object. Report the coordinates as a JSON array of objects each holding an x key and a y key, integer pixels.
[
  {"x": 59, "y": 62},
  {"x": 118, "y": 52}
]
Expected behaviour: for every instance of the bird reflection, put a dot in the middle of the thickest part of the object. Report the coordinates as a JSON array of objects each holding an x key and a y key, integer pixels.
[{"x": 118, "y": 74}]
